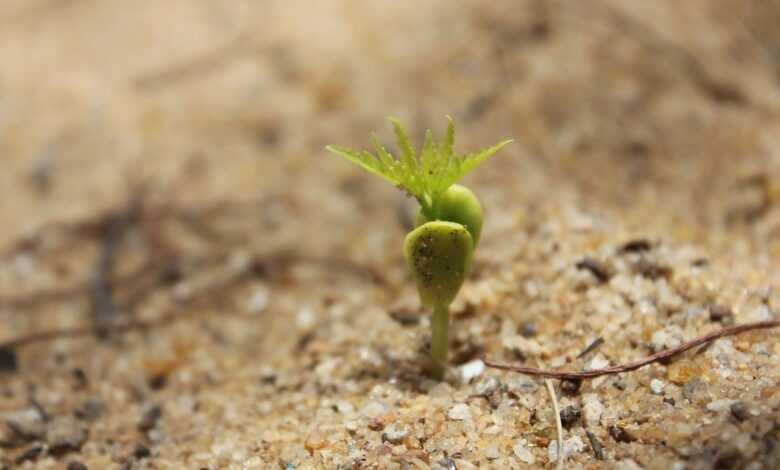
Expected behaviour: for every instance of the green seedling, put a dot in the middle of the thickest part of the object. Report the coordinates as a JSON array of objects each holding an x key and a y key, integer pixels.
[{"x": 448, "y": 225}]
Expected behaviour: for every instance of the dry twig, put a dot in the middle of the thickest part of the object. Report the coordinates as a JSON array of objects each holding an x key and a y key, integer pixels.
[{"x": 657, "y": 357}]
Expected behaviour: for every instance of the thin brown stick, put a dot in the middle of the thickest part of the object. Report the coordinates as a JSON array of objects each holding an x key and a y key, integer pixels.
[{"x": 619, "y": 369}]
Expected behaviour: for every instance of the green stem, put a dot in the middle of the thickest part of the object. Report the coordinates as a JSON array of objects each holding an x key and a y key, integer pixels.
[{"x": 440, "y": 326}]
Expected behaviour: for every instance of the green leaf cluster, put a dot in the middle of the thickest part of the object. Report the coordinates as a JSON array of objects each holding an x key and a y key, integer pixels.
[{"x": 425, "y": 176}]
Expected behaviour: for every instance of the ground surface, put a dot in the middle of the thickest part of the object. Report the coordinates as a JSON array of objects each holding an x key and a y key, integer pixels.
[{"x": 164, "y": 184}]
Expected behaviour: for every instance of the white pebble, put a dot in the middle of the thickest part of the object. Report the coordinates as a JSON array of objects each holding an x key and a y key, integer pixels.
[
  {"x": 592, "y": 409},
  {"x": 373, "y": 409},
  {"x": 522, "y": 452},
  {"x": 460, "y": 412},
  {"x": 657, "y": 386},
  {"x": 669, "y": 337},
  {"x": 598, "y": 362},
  {"x": 720, "y": 405},
  {"x": 570, "y": 447},
  {"x": 492, "y": 452},
  {"x": 305, "y": 318},
  {"x": 259, "y": 300},
  {"x": 471, "y": 370}
]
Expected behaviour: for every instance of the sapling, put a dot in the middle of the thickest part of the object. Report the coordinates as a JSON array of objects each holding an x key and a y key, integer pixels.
[{"x": 448, "y": 225}]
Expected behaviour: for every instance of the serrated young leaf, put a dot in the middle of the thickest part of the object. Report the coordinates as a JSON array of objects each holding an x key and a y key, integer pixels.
[{"x": 425, "y": 176}]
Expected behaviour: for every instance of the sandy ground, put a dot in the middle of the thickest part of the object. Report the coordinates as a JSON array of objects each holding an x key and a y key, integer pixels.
[{"x": 206, "y": 287}]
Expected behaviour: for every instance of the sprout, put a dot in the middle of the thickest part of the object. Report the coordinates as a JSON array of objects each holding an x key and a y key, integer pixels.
[{"x": 439, "y": 250}]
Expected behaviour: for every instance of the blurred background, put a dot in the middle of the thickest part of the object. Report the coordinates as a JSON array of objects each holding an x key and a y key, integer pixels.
[{"x": 161, "y": 158}]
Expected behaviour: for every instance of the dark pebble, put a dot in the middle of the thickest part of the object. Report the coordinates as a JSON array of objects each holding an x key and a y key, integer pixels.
[
  {"x": 448, "y": 464},
  {"x": 669, "y": 401},
  {"x": 75, "y": 465},
  {"x": 8, "y": 360},
  {"x": 739, "y": 411},
  {"x": 151, "y": 414},
  {"x": 90, "y": 410},
  {"x": 30, "y": 454},
  {"x": 619, "y": 434},
  {"x": 721, "y": 314},
  {"x": 141, "y": 451},
  {"x": 570, "y": 416},
  {"x": 636, "y": 246},
  {"x": 599, "y": 270},
  {"x": 529, "y": 330},
  {"x": 570, "y": 387},
  {"x": 598, "y": 450}
]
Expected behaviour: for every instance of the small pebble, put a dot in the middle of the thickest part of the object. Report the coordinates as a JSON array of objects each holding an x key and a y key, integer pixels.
[
  {"x": 459, "y": 412},
  {"x": 90, "y": 410},
  {"x": 598, "y": 362},
  {"x": 150, "y": 414},
  {"x": 373, "y": 409},
  {"x": 522, "y": 453},
  {"x": 720, "y": 405},
  {"x": 570, "y": 447},
  {"x": 570, "y": 416},
  {"x": 492, "y": 452},
  {"x": 65, "y": 435},
  {"x": 259, "y": 300},
  {"x": 740, "y": 411},
  {"x": 8, "y": 360},
  {"x": 27, "y": 424},
  {"x": 471, "y": 370},
  {"x": 487, "y": 385},
  {"x": 592, "y": 409},
  {"x": 657, "y": 387},
  {"x": 394, "y": 434},
  {"x": 669, "y": 337},
  {"x": 141, "y": 452},
  {"x": 76, "y": 465},
  {"x": 620, "y": 434}
]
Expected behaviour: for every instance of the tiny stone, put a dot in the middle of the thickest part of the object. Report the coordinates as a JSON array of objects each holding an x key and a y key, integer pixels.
[
  {"x": 90, "y": 410},
  {"x": 394, "y": 434},
  {"x": 76, "y": 465},
  {"x": 471, "y": 370},
  {"x": 720, "y": 405},
  {"x": 570, "y": 387},
  {"x": 619, "y": 434},
  {"x": 592, "y": 409},
  {"x": 669, "y": 401},
  {"x": 528, "y": 329},
  {"x": 627, "y": 464},
  {"x": 30, "y": 454},
  {"x": 739, "y": 411},
  {"x": 669, "y": 337},
  {"x": 373, "y": 409},
  {"x": 65, "y": 435},
  {"x": 721, "y": 314},
  {"x": 8, "y": 360},
  {"x": 657, "y": 387},
  {"x": 695, "y": 390},
  {"x": 598, "y": 362},
  {"x": 459, "y": 412},
  {"x": 141, "y": 451},
  {"x": 570, "y": 447},
  {"x": 27, "y": 424},
  {"x": 259, "y": 300},
  {"x": 570, "y": 416},
  {"x": 487, "y": 385},
  {"x": 149, "y": 416},
  {"x": 522, "y": 453},
  {"x": 492, "y": 452},
  {"x": 445, "y": 464}
]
